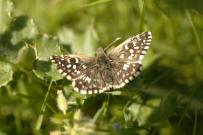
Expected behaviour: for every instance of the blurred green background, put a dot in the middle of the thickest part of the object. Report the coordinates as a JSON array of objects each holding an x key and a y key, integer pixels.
[{"x": 166, "y": 99}]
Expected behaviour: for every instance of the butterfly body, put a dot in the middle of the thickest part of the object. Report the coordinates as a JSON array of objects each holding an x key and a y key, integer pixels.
[{"x": 109, "y": 69}]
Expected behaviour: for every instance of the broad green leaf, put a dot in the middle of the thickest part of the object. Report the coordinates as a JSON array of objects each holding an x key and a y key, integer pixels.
[
  {"x": 45, "y": 47},
  {"x": 90, "y": 39},
  {"x": 6, "y": 73},
  {"x": 26, "y": 57},
  {"x": 80, "y": 43},
  {"x": 13, "y": 41},
  {"x": 45, "y": 70},
  {"x": 66, "y": 37},
  {"x": 23, "y": 29}
]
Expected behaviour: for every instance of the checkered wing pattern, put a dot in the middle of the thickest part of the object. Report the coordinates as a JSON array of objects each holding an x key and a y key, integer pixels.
[
  {"x": 127, "y": 58},
  {"x": 108, "y": 70},
  {"x": 93, "y": 81},
  {"x": 72, "y": 66},
  {"x": 83, "y": 72}
]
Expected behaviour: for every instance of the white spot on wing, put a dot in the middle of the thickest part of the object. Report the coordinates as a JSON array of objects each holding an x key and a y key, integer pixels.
[
  {"x": 144, "y": 52},
  {"x": 76, "y": 89},
  {"x": 146, "y": 47},
  {"x": 130, "y": 77},
  {"x": 73, "y": 83},
  {"x": 125, "y": 67},
  {"x": 122, "y": 84},
  {"x": 64, "y": 73},
  {"x": 126, "y": 80},
  {"x": 150, "y": 37},
  {"x": 100, "y": 91},
  {"x": 84, "y": 67},
  {"x": 60, "y": 70},
  {"x": 90, "y": 92},
  {"x": 83, "y": 91},
  {"x": 126, "y": 46},
  {"x": 69, "y": 77},
  {"x": 137, "y": 73},
  {"x": 87, "y": 79},
  {"x": 95, "y": 91},
  {"x": 123, "y": 75},
  {"x": 141, "y": 57},
  {"x": 74, "y": 66},
  {"x": 138, "y": 61},
  {"x": 131, "y": 51},
  {"x": 69, "y": 65},
  {"x": 122, "y": 56},
  {"x": 53, "y": 61},
  {"x": 76, "y": 60},
  {"x": 132, "y": 54},
  {"x": 136, "y": 47},
  {"x": 130, "y": 57},
  {"x": 78, "y": 72}
]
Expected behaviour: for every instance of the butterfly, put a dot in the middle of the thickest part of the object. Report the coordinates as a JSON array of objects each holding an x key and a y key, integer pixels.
[{"x": 109, "y": 69}]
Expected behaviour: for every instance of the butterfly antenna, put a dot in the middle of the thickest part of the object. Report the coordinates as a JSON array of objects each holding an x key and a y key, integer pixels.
[{"x": 106, "y": 48}]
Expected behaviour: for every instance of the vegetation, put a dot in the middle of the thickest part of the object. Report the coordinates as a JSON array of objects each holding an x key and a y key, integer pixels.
[{"x": 166, "y": 99}]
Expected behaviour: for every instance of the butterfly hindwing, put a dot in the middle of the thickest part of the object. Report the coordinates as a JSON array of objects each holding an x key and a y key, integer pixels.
[
  {"x": 123, "y": 72},
  {"x": 91, "y": 82}
]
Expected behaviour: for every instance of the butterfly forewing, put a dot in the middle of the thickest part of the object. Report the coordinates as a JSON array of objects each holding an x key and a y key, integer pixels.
[
  {"x": 91, "y": 75},
  {"x": 133, "y": 49},
  {"x": 72, "y": 66},
  {"x": 127, "y": 58}
]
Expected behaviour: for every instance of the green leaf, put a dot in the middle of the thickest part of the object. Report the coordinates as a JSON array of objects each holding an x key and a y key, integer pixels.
[
  {"x": 80, "y": 43},
  {"x": 13, "y": 41},
  {"x": 46, "y": 71},
  {"x": 23, "y": 29},
  {"x": 45, "y": 47},
  {"x": 89, "y": 41},
  {"x": 6, "y": 73},
  {"x": 26, "y": 57}
]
